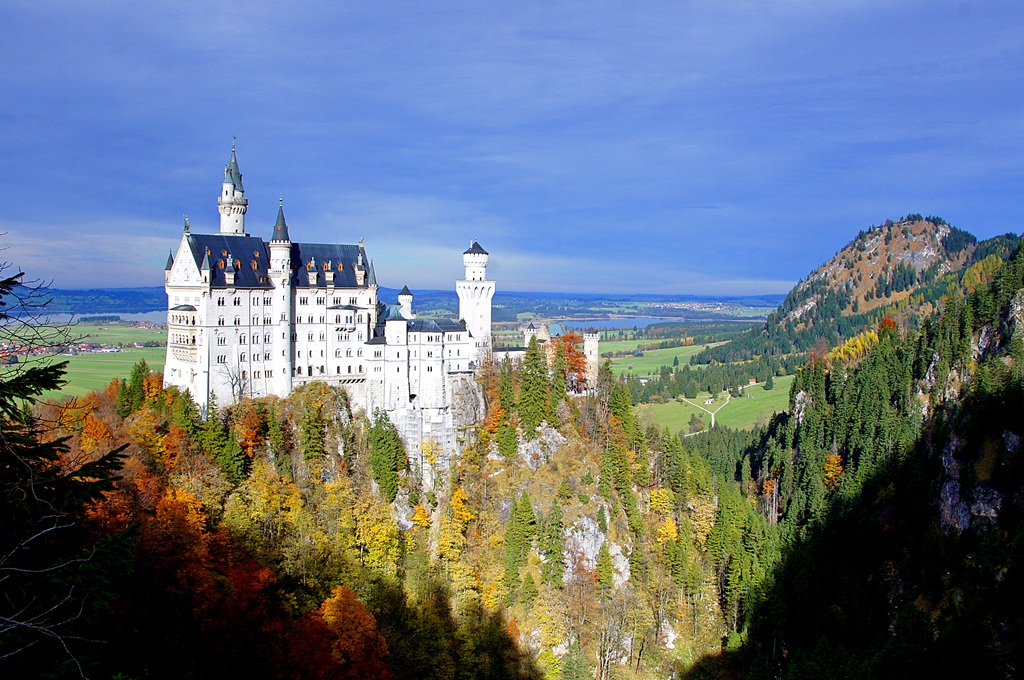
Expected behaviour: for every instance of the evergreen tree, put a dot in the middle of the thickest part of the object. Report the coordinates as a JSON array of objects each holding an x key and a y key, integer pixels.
[
  {"x": 574, "y": 664},
  {"x": 387, "y": 455},
  {"x": 131, "y": 394},
  {"x": 551, "y": 546},
  {"x": 605, "y": 571},
  {"x": 533, "y": 393},
  {"x": 232, "y": 461},
  {"x": 312, "y": 429},
  {"x": 769, "y": 384}
]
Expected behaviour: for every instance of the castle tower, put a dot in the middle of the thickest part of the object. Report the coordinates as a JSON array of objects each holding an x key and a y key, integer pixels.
[
  {"x": 475, "y": 293},
  {"x": 405, "y": 302},
  {"x": 591, "y": 349},
  {"x": 280, "y": 273},
  {"x": 232, "y": 202}
]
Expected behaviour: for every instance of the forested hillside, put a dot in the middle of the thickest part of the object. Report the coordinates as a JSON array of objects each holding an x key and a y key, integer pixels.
[
  {"x": 901, "y": 269},
  {"x": 873, "y": 530}
]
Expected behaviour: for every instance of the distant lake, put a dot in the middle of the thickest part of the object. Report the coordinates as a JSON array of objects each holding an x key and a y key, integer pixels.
[{"x": 620, "y": 322}]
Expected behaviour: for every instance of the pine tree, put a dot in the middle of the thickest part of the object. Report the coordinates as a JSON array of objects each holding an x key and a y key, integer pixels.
[
  {"x": 131, "y": 394},
  {"x": 387, "y": 455},
  {"x": 533, "y": 393},
  {"x": 605, "y": 571},
  {"x": 551, "y": 546}
]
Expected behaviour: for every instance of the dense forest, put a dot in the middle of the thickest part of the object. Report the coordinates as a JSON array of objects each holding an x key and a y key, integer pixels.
[{"x": 873, "y": 530}]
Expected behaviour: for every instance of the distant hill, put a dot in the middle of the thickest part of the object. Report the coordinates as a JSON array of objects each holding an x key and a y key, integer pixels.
[
  {"x": 901, "y": 268},
  {"x": 507, "y": 304},
  {"x": 105, "y": 300}
]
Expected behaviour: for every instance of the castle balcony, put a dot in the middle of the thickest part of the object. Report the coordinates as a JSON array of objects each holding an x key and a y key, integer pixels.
[{"x": 186, "y": 353}]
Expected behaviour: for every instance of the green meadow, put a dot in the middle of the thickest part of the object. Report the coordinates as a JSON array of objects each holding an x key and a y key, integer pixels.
[
  {"x": 756, "y": 407},
  {"x": 90, "y": 372},
  {"x": 651, "y": 361}
]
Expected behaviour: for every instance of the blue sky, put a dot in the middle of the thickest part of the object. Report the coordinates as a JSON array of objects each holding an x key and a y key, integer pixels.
[{"x": 674, "y": 147}]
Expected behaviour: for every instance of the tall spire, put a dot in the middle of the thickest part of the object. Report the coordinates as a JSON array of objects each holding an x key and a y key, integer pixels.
[
  {"x": 170, "y": 261},
  {"x": 281, "y": 228},
  {"x": 232, "y": 203},
  {"x": 373, "y": 275}
]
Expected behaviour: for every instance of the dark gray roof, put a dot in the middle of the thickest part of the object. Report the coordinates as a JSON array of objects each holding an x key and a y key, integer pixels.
[
  {"x": 405, "y": 291},
  {"x": 475, "y": 248},
  {"x": 232, "y": 173},
  {"x": 391, "y": 313},
  {"x": 183, "y": 308},
  {"x": 436, "y": 326},
  {"x": 251, "y": 256},
  {"x": 170, "y": 261},
  {"x": 280, "y": 228},
  {"x": 373, "y": 275}
]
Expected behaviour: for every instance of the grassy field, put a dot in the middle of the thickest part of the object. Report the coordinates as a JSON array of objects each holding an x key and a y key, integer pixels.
[
  {"x": 652, "y": 360},
  {"x": 757, "y": 406},
  {"x": 89, "y": 372}
]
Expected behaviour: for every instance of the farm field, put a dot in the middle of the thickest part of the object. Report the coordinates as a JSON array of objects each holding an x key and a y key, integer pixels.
[
  {"x": 89, "y": 372},
  {"x": 757, "y": 406},
  {"x": 652, "y": 360}
]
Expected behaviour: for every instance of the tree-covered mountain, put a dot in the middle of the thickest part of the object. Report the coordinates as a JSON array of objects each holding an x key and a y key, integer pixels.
[{"x": 900, "y": 269}]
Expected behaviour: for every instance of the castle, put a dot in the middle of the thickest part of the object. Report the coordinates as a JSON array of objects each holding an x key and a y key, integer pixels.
[{"x": 251, "y": 318}]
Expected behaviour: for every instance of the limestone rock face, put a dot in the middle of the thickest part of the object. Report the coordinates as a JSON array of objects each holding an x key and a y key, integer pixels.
[
  {"x": 584, "y": 538},
  {"x": 538, "y": 452}
]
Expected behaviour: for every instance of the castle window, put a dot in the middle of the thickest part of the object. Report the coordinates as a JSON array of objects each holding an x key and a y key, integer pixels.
[
  {"x": 359, "y": 352},
  {"x": 321, "y": 300},
  {"x": 376, "y": 354},
  {"x": 256, "y": 300},
  {"x": 237, "y": 302},
  {"x": 360, "y": 368},
  {"x": 309, "y": 337},
  {"x": 241, "y": 340},
  {"x": 266, "y": 338},
  {"x": 360, "y": 336},
  {"x": 348, "y": 352},
  {"x": 222, "y": 359},
  {"x": 337, "y": 318},
  {"x": 336, "y": 301},
  {"x": 322, "y": 370},
  {"x": 255, "y": 321},
  {"x": 220, "y": 321},
  {"x": 238, "y": 321},
  {"x": 323, "y": 336},
  {"x": 323, "y": 319},
  {"x": 221, "y": 340},
  {"x": 266, "y": 356},
  {"x": 255, "y": 338},
  {"x": 241, "y": 357},
  {"x": 311, "y": 319},
  {"x": 430, "y": 369},
  {"x": 303, "y": 300},
  {"x": 337, "y": 370},
  {"x": 266, "y": 321},
  {"x": 353, "y": 300},
  {"x": 244, "y": 375},
  {"x": 256, "y": 374},
  {"x": 266, "y": 302},
  {"x": 220, "y": 302},
  {"x": 270, "y": 374}
]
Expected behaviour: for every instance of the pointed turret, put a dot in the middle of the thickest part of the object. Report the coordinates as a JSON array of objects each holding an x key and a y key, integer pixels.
[
  {"x": 232, "y": 202},
  {"x": 373, "y": 275},
  {"x": 280, "y": 228},
  {"x": 405, "y": 302},
  {"x": 232, "y": 173},
  {"x": 170, "y": 261},
  {"x": 206, "y": 262}
]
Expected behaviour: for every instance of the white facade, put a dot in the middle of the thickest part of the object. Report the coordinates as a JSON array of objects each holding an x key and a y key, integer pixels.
[{"x": 250, "y": 318}]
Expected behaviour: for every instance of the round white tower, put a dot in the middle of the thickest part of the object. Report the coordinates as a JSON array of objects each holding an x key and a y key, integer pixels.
[
  {"x": 280, "y": 272},
  {"x": 232, "y": 202},
  {"x": 475, "y": 293}
]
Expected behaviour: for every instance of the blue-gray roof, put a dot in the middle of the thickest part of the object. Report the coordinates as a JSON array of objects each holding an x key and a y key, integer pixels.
[
  {"x": 251, "y": 257},
  {"x": 405, "y": 291},
  {"x": 475, "y": 249},
  {"x": 280, "y": 228}
]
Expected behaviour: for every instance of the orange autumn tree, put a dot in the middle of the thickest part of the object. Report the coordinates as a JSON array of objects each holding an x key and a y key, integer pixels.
[
  {"x": 358, "y": 646},
  {"x": 570, "y": 346}
]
